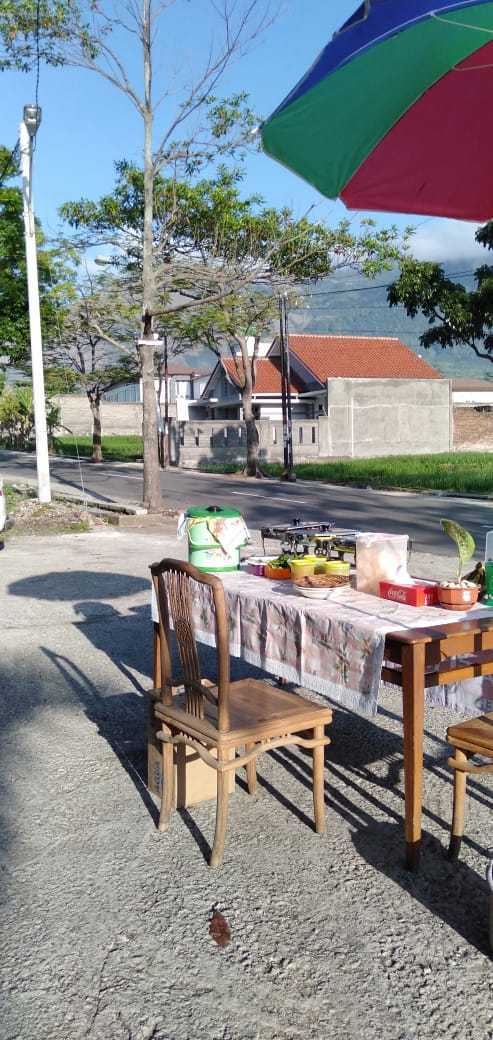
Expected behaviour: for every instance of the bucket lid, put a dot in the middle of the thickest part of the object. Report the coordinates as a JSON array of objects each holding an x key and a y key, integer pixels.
[{"x": 210, "y": 512}]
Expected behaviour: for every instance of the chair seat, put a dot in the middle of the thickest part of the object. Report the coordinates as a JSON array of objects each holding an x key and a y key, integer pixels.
[
  {"x": 256, "y": 710},
  {"x": 473, "y": 734}
]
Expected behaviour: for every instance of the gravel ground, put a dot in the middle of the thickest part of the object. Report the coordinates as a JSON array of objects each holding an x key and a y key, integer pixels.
[{"x": 106, "y": 922}]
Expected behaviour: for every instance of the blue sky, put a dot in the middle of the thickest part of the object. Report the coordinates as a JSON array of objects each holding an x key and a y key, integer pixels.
[{"x": 87, "y": 124}]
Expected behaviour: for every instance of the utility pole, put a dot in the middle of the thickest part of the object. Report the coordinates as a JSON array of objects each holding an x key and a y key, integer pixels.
[
  {"x": 287, "y": 423},
  {"x": 27, "y": 132},
  {"x": 166, "y": 452}
]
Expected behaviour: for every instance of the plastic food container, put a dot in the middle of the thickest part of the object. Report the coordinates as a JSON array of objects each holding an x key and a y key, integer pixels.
[
  {"x": 215, "y": 537},
  {"x": 379, "y": 557},
  {"x": 257, "y": 564},
  {"x": 277, "y": 573},
  {"x": 303, "y": 566},
  {"x": 337, "y": 567}
]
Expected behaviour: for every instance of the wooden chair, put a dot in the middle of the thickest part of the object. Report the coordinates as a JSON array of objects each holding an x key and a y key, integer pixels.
[
  {"x": 247, "y": 714},
  {"x": 473, "y": 737}
]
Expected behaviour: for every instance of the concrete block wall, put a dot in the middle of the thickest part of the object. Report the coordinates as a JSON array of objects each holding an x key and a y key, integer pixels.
[
  {"x": 224, "y": 440},
  {"x": 371, "y": 417},
  {"x": 118, "y": 417},
  {"x": 366, "y": 417}
]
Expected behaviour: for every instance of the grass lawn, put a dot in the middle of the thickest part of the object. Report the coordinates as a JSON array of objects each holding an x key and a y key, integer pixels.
[
  {"x": 115, "y": 449},
  {"x": 463, "y": 472}
]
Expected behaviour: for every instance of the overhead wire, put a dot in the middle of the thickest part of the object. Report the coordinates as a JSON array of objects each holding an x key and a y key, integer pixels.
[{"x": 369, "y": 288}]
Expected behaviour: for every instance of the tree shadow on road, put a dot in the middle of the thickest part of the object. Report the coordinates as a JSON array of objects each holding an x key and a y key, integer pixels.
[{"x": 69, "y": 586}]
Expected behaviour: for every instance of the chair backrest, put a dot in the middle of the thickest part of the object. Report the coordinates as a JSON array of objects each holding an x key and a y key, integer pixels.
[{"x": 173, "y": 585}]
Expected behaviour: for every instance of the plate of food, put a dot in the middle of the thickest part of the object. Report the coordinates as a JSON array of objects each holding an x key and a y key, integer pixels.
[{"x": 320, "y": 586}]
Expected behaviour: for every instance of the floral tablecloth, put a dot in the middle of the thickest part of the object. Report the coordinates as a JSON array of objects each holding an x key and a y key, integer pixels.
[{"x": 334, "y": 647}]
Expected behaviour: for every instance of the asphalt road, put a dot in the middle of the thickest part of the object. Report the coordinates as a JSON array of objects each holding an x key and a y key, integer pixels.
[{"x": 267, "y": 501}]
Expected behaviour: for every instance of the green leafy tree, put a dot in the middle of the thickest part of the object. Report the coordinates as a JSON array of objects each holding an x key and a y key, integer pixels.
[
  {"x": 17, "y": 416},
  {"x": 265, "y": 253},
  {"x": 185, "y": 124},
  {"x": 54, "y": 272},
  {"x": 29, "y": 28},
  {"x": 221, "y": 259},
  {"x": 93, "y": 352},
  {"x": 458, "y": 317}
]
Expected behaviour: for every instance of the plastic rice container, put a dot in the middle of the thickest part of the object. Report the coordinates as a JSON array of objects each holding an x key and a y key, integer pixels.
[
  {"x": 303, "y": 566},
  {"x": 341, "y": 567}
]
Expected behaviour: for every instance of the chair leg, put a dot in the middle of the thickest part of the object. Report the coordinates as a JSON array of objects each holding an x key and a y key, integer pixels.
[
  {"x": 318, "y": 781},
  {"x": 221, "y": 816},
  {"x": 168, "y": 790},
  {"x": 251, "y": 770},
  {"x": 460, "y": 781}
]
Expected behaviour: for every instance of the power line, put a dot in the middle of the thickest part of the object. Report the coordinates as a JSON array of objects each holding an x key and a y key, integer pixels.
[{"x": 369, "y": 288}]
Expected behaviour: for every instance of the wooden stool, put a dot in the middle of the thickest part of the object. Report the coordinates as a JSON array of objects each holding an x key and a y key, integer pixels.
[{"x": 473, "y": 737}]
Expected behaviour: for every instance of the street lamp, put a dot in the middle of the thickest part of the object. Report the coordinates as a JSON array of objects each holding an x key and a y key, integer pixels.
[
  {"x": 27, "y": 132},
  {"x": 32, "y": 119}
]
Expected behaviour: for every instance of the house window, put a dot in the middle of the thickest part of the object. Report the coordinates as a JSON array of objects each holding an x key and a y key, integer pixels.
[
  {"x": 300, "y": 435},
  {"x": 314, "y": 435},
  {"x": 211, "y": 439},
  {"x": 274, "y": 435},
  {"x": 197, "y": 439}
]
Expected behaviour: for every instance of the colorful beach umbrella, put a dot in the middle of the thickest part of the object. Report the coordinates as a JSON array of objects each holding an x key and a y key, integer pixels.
[{"x": 396, "y": 114}]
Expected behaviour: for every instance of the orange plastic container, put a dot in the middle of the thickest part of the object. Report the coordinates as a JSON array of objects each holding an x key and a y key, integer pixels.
[{"x": 277, "y": 573}]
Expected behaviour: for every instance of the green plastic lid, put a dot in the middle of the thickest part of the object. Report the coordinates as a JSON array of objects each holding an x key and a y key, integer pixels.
[{"x": 208, "y": 512}]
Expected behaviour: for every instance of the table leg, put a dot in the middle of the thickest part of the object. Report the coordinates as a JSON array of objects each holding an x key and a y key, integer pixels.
[
  {"x": 413, "y": 695},
  {"x": 156, "y": 658}
]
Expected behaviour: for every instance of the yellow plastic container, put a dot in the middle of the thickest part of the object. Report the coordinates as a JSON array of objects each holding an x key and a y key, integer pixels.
[
  {"x": 341, "y": 567},
  {"x": 303, "y": 567}
]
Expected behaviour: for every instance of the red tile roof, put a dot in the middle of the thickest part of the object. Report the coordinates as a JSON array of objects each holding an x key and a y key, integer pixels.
[
  {"x": 360, "y": 357},
  {"x": 267, "y": 376}
]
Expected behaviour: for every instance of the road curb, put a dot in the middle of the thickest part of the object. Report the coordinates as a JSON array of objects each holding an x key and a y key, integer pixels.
[{"x": 122, "y": 508}]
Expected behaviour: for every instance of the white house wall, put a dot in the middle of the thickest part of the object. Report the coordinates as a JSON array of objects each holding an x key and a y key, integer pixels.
[{"x": 473, "y": 397}]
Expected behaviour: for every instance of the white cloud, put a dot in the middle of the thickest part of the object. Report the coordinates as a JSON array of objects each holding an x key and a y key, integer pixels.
[{"x": 443, "y": 240}]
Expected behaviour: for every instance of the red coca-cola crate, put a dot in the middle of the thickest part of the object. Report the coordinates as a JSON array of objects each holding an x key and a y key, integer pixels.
[{"x": 419, "y": 594}]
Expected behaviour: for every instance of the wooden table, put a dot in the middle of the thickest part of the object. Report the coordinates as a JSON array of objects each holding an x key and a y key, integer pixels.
[
  {"x": 428, "y": 657},
  {"x": 422, "y": 658}
]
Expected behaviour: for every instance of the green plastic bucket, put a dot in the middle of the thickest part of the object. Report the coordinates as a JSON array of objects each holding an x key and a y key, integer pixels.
[{"x": 204, "y": 550}]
